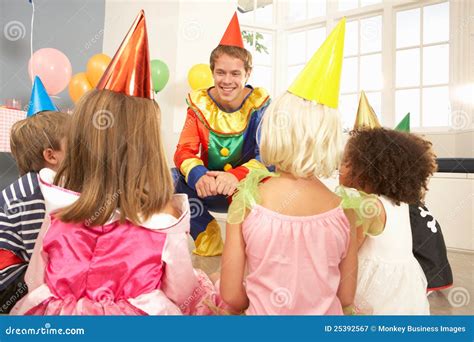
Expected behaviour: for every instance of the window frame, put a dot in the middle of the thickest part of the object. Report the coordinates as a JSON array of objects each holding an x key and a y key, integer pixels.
[{"x": 280, "y": 30}]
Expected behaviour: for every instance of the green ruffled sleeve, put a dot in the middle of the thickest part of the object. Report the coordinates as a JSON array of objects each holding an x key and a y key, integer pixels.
[
  {"x": 247, "y": 195},
  {"x": 366, "y": 207}
]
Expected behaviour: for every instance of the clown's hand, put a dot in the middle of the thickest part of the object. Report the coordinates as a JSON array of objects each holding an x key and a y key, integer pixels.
[
  {"x": 226, "y": 182},
  {"x": 206, "y": 186}
]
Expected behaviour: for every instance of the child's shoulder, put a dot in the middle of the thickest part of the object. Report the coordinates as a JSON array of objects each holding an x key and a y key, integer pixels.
[
  {"x": 24, "y": 188},
  {"x": 298, "y": 197}
]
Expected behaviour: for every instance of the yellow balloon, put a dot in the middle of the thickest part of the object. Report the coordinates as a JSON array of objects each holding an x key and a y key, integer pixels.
[
  {"x": 200, "y": 77},
  {"x": 78, "y": 86},
  {"x": 96, "y": 67}
]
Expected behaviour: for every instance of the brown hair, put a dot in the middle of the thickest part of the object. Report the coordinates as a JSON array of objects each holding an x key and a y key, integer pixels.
[
  {"x": 390, "y": 163},
  {"x": 31, "y": 136},
  {"x": 233, "y": 51},
  {"x": 115, "y": 159}
]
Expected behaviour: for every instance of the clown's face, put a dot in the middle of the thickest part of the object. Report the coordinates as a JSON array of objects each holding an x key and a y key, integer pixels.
[{"x": 230, "y": 78}]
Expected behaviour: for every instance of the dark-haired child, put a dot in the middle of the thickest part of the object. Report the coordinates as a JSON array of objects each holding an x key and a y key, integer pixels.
[{"x": 394, "y": 166}]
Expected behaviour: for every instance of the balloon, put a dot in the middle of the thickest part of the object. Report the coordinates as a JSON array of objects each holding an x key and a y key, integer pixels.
[
  {"x": 53, "y": 67},
  {"x": 160, "y": 74},
  {"x": 78, "y": 86},
  {"x": 96, "y": 67},
  {"x": 200, "y": 77}
]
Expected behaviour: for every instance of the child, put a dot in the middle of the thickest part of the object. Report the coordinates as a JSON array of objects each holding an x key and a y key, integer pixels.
[
  {"x": 36, "y": 142},
  {"x": 299, "y": 253},
  {"x": 116, "y": 238},
  {"x": 395, "y": 166},
  {"x": 428, "y": 241}
]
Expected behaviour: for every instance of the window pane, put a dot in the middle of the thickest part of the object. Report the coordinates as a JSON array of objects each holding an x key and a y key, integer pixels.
[
  {"x": 408, "y": 68},
  {"x": 436, "y": 64},
  {"x": 316, "y": 8},
  {"x": 344, "y": 5},
  {"x": 351, "y": 41},
  {"x": 246, "y": 11},
  {"x": 371, "y": 72},
  {"x": 408, "y": 101},
  {"x": 369, "y": 2},
  {"x": 349, "y": 75},
  {"x": 262, "y": 77},
  {"x": 436, "y": 23},
  {"x": 371, "y": 34},
  {"x": 408, "y": 28},
  {"x": 264, "y": 13},
  {"x": 436, "y": 107},
  {"x": 263, "y": 49},
  {"x": 296, "y": 47},
  {"x": 248, "y": 38},
  {"x": 375, "y": 100},
  {"x": 296, "y": 10},
  {"x": 348, "y": 108},
  {"x": 314, "y": 40},
  {"x": 293, "y": 71}
]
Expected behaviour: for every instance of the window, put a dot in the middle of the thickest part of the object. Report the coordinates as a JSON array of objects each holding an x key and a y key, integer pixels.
[
  {"x": 260, "y": 44},
  {"x": 344, "y": 5},
  {"x": 259, "y": 41},
  {"x": 362, "y": 67},
  {"x": 301, "y": 47},
  {"x": 422, "y": 65},
  {"x": 398, "y": 52},
  {"x": 299, "y": 10}
]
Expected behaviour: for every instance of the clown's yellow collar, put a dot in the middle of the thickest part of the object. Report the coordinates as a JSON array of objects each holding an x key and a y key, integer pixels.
[{"x": 221, "y": 122}]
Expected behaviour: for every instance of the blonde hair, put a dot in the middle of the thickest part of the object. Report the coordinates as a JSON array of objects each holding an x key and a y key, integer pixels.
[
  {"x": 115, "y": 159},
  {"x": 301, "y": 137},
  {"x": 31, "y": 136}
]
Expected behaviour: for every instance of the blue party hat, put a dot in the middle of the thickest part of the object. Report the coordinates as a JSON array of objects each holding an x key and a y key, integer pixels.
[{"x": 39, "y": 100}]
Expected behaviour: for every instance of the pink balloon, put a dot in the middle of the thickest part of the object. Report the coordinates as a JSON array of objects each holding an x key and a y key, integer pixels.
[{"x": 53, "y": 67}]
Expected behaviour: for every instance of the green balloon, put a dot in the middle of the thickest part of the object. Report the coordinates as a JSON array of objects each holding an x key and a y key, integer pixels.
[{"x": 160, "y": 74}]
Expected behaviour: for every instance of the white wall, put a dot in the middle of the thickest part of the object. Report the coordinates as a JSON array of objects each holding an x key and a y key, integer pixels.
[{"x": 181, "y": 33}]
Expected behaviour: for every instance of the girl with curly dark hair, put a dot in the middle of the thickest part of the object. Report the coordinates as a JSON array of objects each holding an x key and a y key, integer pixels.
[{"x": 395, "y": 167}]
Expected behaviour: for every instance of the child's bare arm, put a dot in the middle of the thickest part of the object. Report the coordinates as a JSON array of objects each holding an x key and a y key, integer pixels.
[
  {"x": 348, "y": 266},
  {"x": 232, "y": 269}
]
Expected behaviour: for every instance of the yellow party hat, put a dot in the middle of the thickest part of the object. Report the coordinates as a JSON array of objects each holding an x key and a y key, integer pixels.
[
  {"x": 319, "y": 81},
  {"x": 366, "y": 116}
]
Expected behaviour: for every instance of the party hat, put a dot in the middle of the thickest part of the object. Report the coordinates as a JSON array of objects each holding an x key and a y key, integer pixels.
[
  {"x": 320, "y": 79},
  {"x": 39, "y": 100},
  {"x": 404, "y": 125},
  {"x": 232, "y": 35},
  {"x": 129, "y": 70},
  {"x": 366, "y": 116}
]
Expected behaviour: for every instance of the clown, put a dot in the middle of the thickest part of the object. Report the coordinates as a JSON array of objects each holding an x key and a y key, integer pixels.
[{"x": 218, "y": 144}]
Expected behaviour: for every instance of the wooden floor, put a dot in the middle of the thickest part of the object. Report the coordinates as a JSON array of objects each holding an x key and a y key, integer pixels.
[{"x": 457, "y": 300}]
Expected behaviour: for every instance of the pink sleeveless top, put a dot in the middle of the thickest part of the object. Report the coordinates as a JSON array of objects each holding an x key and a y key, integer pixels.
[{"x": 293, "y": 262}]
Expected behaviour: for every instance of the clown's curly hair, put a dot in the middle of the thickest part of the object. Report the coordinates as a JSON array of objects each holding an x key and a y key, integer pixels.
[{"x": 391, "y": 163}]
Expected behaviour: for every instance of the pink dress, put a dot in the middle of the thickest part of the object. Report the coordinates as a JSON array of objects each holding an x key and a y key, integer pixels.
[
  {"x": 114, "y": 269},
  {"x": 293, "y": 262}
]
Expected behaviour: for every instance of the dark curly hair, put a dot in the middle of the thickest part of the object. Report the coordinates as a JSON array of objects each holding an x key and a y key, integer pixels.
[{"x": 390, "y": 163}]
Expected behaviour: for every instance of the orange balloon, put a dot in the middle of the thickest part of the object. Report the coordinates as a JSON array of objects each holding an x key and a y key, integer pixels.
[
  {"x": 96, "y": 67},
  {"x": 78, "y": 86}
]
